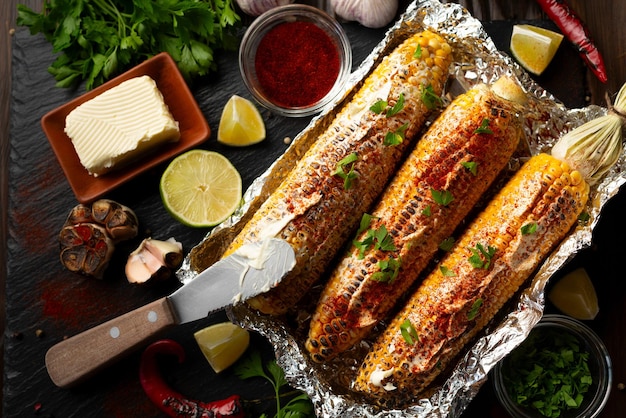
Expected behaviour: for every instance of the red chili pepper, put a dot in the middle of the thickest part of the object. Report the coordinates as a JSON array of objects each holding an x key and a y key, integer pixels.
[
  {"x": 173, "y": 403},
  {"x": 575, "y": 30}
]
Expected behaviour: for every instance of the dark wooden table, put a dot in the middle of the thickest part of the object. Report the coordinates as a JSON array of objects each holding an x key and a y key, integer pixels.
[{"x": 116, "y": 391}]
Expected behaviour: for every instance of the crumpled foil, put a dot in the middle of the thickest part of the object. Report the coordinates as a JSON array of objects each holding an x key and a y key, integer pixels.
[{"x": 476, "y": 60}]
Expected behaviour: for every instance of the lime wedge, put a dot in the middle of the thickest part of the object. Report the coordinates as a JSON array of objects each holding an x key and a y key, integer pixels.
[
  {"x": 574, "y": 295},
  {"x": 222, "y": 344},
  {"x": 200, "y": 188},
  {"x": 534, "y": 47}
]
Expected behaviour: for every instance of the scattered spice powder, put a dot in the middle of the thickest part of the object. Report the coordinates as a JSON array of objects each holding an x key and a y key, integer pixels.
[{"x": 297, "y": 64}]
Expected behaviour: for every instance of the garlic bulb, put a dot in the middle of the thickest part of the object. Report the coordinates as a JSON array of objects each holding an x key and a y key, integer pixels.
[
  {"x": 369, "y": 13},
  {"x": 258, "y": 7}
]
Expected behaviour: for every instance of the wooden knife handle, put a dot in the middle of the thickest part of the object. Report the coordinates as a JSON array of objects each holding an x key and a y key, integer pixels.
[{"x": 79, "y": 357}]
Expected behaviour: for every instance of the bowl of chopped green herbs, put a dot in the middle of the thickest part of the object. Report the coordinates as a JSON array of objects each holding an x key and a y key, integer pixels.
[{"x": 562, "y": 369}]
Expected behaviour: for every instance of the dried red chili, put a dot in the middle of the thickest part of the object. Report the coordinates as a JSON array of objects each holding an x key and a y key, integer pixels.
[
  {"x": 171, "y": 402},
  {"x": 297, "y": 64},
  {"x": 575, "y": 30}
]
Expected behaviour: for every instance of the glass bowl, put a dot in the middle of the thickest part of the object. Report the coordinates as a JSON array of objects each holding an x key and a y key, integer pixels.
[
  {"x": 599, "y": 362},
  {"x": 278, "y": 74}
]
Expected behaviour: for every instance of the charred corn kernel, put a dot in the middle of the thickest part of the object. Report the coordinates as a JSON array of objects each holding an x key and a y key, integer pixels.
[
  {"x": 516, "y": 231},
  {"x": 320, "y": 202},
  {"x": 459, "y": 156}
]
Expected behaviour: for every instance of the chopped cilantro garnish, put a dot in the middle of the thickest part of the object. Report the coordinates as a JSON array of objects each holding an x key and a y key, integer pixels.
[
  {"x": 474, "y": 309},
  {"x": 397, "y": 107},
  {"x": 395, "y": 138},
  {"x": 427, "y": 211},
  {"x": 446, "y": 244},
  {"x": 418, "y": 52},
  {"x": 429, "y": 98},
  {"x": 378, "y": 239},
  {"x": 442, "y": 197},
  {"x": 408, "y": 332},
  {"x": 481, "y": 256},
  {"x": 484, "y": 127},
  {"x": 379, "y": 107},
  {"x": 389, "y": 270},
  {"x": 529, "y": 228},
  {"x": 548, "y": 372},
  {"x": 471, "y": 166},
  {"x": 351, "y": 174},
  {"x": 447, "y": 272}
]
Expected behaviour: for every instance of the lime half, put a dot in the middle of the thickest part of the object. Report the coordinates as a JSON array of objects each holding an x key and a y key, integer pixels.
[
  {"x": 222, "y": 344},
  {"x": 200, "y": 188}
]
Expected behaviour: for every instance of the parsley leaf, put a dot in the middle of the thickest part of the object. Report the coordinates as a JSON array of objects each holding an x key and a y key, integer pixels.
[
  {"x": 408, "y": 332},
  {"x": 418, "y": 52},
  {"x": 389, "y": 270},
  {"x": 447, "y": 272},
  {"x": 429, "y": 98},
  {"x": 529, "y": 228},
  {"x": 442, "y": 197},
  {"x": 473, "y": 312},
  {"x": 471, "y": 166},
  {"x": 395, "y": 138},
  {"x": 298, "y": 405},
  {"x": 397, "y": 108},
  {"x": 351, "y": 174},
  {"x": 446, "y": 244},
  {"x": 481, "y": 256},
  {"x": 484, "y": 127},
  {"x": 379, "y": 107}
]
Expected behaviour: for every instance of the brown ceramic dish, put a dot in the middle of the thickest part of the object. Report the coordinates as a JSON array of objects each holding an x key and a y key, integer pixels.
[{"x": 194, "y": 129}]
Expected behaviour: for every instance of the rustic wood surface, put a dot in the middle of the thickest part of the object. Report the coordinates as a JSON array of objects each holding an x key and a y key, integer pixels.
[{"x": 604, "y": 19}]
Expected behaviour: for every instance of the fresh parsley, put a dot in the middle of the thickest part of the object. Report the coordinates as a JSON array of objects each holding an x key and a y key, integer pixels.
[
  {"x": 446, "y": 244},
  {"x": 418, "y": 52},
  {"x": 481, "y": 256},
  {"x": 408, "y": 332},
  {"x": 473, "y": 312},
  {"x": 397, "y": 108},
  {"x": 389, "y": 270},
  {"x": 442, "y": 197},
  {"x": 395, "y": 138},
  {"x": 447, "y": 272},
  {"x": 471, "y": 166},
  {"x": 298, "y": 406},
  {"x": 99, "y": 39},
  {"x": 378, "y": 239},
  {"x": 350, "y": 175},
  {"x": 484, "y": 127},
  {"x": 429, "y": 98},
  {"x": 379, "y": 107},
  {"x": 427, "y": 211},
  {"x": 529, "y": 228},
  {"x": 548, "y": 372}
]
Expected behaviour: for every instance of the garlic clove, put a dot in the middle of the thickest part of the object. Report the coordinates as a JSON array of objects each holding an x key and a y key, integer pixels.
[
  {"x": 86, "y": 249},
  {"x": 369, "y": 13},
  {"x": 153, "y": 260}
]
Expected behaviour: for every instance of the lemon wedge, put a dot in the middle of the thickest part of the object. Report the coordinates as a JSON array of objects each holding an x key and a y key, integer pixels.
[
  {"x": 574, "y": 295},
  {"x": 222, "y": 344},
  {"x": 241, "y": 123},
  {"x": 200, "y": 188},
  {"x": 534, "y": 47}
]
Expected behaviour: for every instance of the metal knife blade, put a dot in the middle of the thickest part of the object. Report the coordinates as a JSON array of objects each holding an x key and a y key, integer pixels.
[{"x": 251, "y": 270}]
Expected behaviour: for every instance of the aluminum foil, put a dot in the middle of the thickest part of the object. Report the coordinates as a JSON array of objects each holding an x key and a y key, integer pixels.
[{"x": 476, "y": 60}]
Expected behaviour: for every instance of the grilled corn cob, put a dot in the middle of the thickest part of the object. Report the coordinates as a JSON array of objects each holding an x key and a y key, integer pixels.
[
  {"x": 497, "y": 253},
  {"x": 320, "y": 202},
  {"x": 440, "y": 182}
]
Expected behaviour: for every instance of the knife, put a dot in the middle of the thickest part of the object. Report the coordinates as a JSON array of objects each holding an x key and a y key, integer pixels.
[{"x": 254, "y": 268}]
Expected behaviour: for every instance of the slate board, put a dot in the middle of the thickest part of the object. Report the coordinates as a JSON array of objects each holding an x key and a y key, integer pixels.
[{"x": 41, "y": 295}]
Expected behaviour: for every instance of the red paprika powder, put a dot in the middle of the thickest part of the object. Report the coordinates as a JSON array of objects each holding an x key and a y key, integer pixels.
[{"x": 297, "y": 64}]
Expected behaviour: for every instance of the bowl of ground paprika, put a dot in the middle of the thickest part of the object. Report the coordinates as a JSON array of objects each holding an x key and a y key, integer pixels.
[{"x": 295, "y": 59}]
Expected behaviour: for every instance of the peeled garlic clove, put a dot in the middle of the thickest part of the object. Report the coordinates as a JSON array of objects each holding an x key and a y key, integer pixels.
[
  {"x": 258, "y": 7},
  {"x": 154, "y": 260},
  {"x": 369, "y": 13},
  {"x": 120, "y": 221},
  {"x": 86, "y": 249}
]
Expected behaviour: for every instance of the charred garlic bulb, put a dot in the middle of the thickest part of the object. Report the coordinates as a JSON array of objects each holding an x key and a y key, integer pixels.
[
  {"x": 369, "y": 13},
  {"x": 258, "y": 7},
  {"x": 154, "y": 260},
  {"x": 88, "y": 237}
]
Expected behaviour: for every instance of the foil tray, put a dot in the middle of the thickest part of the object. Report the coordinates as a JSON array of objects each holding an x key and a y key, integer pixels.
[{"x": 476, "y": 60}]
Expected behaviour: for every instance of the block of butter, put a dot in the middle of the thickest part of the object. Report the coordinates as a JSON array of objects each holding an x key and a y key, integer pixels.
[{"x": 120, "y": 125}]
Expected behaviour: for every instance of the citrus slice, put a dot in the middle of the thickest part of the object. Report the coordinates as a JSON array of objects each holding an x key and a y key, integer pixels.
[
  {"x": 200, "y": 188},
  {"x": 534, "y": 47},
  {"x": 574, "y": 295},
  {"x": 222, "y": 344},
  {"x": 241, "y": 123}
]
